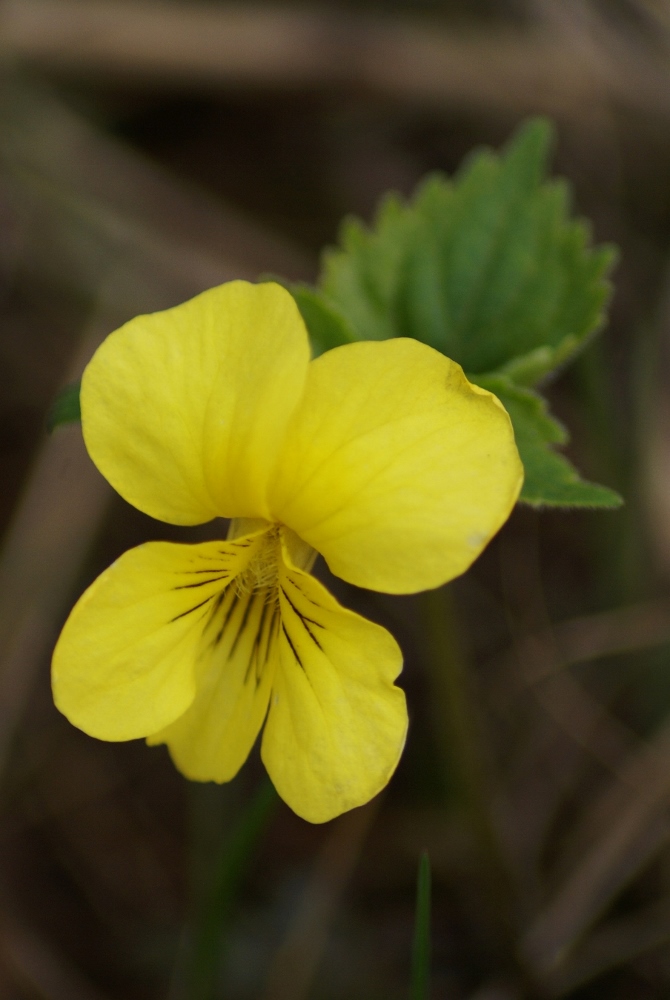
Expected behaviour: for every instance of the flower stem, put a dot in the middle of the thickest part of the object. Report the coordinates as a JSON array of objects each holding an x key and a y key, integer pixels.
[
  {"x": 460, "y": 733},
  {"x": 227, "y": 874},
  {"x": 198, "y": 978},
  {"x": 420, "y": 989}
]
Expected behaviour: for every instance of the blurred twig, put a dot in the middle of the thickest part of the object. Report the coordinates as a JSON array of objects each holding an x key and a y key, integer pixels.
[{"x": 539, "y": 68}]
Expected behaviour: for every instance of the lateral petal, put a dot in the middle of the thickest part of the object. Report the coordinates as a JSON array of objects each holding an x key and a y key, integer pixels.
[
  {"x": 337, "y": 723},
  {"x": 213, "y": 738},
  {"x": 395, "y": 468},
  {"x": 184, "y": 411},
  {"x": 125, "y": 663}
]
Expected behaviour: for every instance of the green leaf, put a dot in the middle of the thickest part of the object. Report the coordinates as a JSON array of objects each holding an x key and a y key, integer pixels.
[
  {"x": 550, "y": 479},
  {"x": 421, "y": 945},
  {"x": 487, "y": 268},
  {"x": 65, "y": 408},
  {"x": 364, "y": 279},
  {"x": 490, "y": 269},
  {"x": 529, "y": 369},
  {"x": 326, "y": 326}
]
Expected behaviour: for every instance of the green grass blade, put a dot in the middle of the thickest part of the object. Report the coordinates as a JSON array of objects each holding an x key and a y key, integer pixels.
[
  {"x": 65, "y": 408},
  {"x": 421, "y": 946}
]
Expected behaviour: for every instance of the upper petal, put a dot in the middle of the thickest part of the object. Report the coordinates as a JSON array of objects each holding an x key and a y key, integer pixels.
[
  {"x": 184, "y": 411},
  {"x": 395, "y": 467},
  {"x": 124, "y": 665},
  {"x": 337, "y": 723}
]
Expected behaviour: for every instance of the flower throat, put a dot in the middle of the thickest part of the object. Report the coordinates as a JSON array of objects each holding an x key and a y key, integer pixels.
[{"x": 262, "y": 572}]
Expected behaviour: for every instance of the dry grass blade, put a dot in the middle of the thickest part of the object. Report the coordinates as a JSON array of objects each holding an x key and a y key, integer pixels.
[
  {"x": 658, "y": 11},
  {"x": 602, "y": 737},
  {"x": 587, "y": 722},
  {"x": 539, "y": 659},
  {"x": 636, "y": 825},
  {"x": 579, "y": 640},
  {"x": 58, "y": 515},
  {"x": 629, "y": 822},
  {"x": 654, "y": 436},
  {"x": 541, "y": 651},
  {"x": 616, "y": 943},
  {"x": 171, "y": 40}
]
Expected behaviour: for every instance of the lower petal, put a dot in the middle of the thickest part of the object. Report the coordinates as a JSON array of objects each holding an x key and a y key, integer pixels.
[
  {"x": 212, "y": 740},
  {"x": 337, "y": 723},
  {"x": 125, "y": 663}
]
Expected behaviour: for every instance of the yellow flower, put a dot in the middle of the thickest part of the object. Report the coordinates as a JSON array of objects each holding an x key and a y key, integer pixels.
[{"x": 380, "y": 456}]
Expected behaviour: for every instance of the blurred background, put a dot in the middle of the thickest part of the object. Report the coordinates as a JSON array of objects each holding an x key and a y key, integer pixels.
[{"x": 151, "y": 150}]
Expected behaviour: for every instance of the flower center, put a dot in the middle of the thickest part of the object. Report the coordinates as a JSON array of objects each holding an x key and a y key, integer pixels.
[
  {"x": 262, "y": 573},
  {"x": 263, "y": 570}
]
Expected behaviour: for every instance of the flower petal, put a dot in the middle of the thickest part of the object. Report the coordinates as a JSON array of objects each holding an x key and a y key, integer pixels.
[
  {"x": 395, "y": 468},
  {"x": 212, "y": 740},
  {"x": 337, "y": 723},
  {"x": 124, "y": 665},
  {"x": 184, "y": 411}
]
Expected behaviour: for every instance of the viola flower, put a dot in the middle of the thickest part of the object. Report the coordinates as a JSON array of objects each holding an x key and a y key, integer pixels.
[{"x": 380, "y": 456}]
